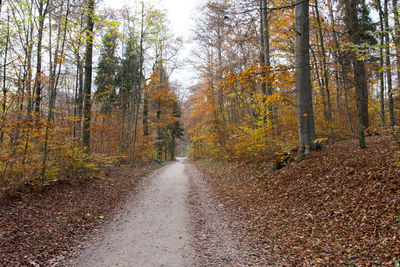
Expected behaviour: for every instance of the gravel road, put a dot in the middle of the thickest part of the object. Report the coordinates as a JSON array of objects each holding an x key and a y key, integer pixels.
[{"x": 173, "y": 221}]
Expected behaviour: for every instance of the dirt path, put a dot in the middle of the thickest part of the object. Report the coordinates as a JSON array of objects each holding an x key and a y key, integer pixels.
[
  {"x": 151, "y": 230},
  {"x": 173, "y": 221}
]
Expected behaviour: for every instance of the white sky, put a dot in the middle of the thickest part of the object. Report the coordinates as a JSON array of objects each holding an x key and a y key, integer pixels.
[{"x": 180, "y": 14}]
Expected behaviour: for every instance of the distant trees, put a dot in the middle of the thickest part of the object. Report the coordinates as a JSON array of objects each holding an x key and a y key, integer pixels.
[{"x": 75, "y": 79}]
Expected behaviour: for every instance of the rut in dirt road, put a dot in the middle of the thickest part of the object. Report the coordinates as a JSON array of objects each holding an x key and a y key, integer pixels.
[{"x": 152, "y": 229}]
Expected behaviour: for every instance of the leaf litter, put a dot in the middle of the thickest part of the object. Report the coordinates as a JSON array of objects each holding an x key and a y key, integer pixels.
[
  {"x": 43, "y": 227},
  {"x": 339, "y": 205}
]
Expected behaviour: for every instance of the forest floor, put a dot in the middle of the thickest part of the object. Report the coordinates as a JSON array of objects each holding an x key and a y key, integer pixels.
[
  {"x": 339, "y": 205},
  {"x": 42, "y": 227}
]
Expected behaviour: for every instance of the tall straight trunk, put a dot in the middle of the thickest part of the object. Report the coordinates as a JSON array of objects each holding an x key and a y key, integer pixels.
[
  {"x": 29, "y": 76},
  {"x": 145, "y": 123},
  {"x": 173, "y": 147},
  {"x": 265, "y": 53},
  {"x": 75, "y": 130},
  {"x": 87, "y": 105},
  {"x": 359, "y": 70},
  {"x": 381, "y": 64},
  {"x": 159, "y": 143},
  {"x": 139, "y": 93},
  {"x": 221, "y": 97},
  {"x": 4, "y": 84},
  {"x": 79, "y": 88},
  {"x": 80, "y": 93},
  {"x": 38, "y": 76},
  {"x": 122, "y": 135},
  {"x": 397, "y": 44},
  {"x": 304, "y": 105},
  {"x": 28, "y": 87},
  {"x": 382, "y": 87},
  {"x": 145, "y": 119},
  {"x": 324, "y": 66},
  {"x": 388, "y": 64}
]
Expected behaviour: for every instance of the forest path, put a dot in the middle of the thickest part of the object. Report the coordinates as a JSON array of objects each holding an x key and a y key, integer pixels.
[
  {"x": 152, "y": 230},
  {"x": 173, "y": 221}
]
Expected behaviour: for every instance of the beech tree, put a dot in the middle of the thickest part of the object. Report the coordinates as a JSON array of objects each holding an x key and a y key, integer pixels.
[
  {"x": 304, "y": 104},
  {"x": 43, "y": 7},
  {"x": 359, "y": 70},
  {"x": 87, "y": 89}
]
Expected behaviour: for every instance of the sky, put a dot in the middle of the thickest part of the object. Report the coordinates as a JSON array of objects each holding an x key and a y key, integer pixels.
[{"x": 180, "y": 14}]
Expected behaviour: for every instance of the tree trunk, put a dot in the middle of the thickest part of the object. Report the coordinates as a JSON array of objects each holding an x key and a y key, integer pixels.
[
  {"x": 87, "y": 105},
  {"x": 139, "y": 93},
  {"x": 381, "y": 64},
  {"x": 38, "y": 77},
  {"x": 28, "y": 88},
  {"x": 304, "y": 105},
  {"x": 4, "y": 104},
  {"x": 397, "y": 47},
  {"x": 359, "y": 71},
  {"x": 145, "y": 119},
  {"x": 388, "y": 64},
  {"x": 327, "y": 101},
  {"x": 159, "y": 140},
  {"x": 265, "y": 54}
]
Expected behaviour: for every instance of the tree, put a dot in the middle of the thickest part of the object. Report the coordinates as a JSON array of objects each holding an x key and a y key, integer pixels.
[
  {"x": 105, "y": 80},
  {"x": 42, "y": 9},
  {"x": 359, "y": 69},
  {"x": 396, "y": 40},
  {"x": 128, "y": 79},
  {"x": 327, "y": 95},
  {"x": 175, "y": 128},
  {"x": 138, "y": 92},
  {"x": 87, "y": 105},
  {"x": 265, "y": 54},
  {"x": 304, "y": 105},
  {"x": 388, "y": 64},
  {"x": 381, "y": 63}
]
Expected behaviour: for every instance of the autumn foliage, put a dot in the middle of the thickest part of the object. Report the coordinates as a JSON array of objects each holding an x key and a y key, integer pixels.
[
  {"x": 230, "y": 116},
  {"x": 54, "y": 125}
]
